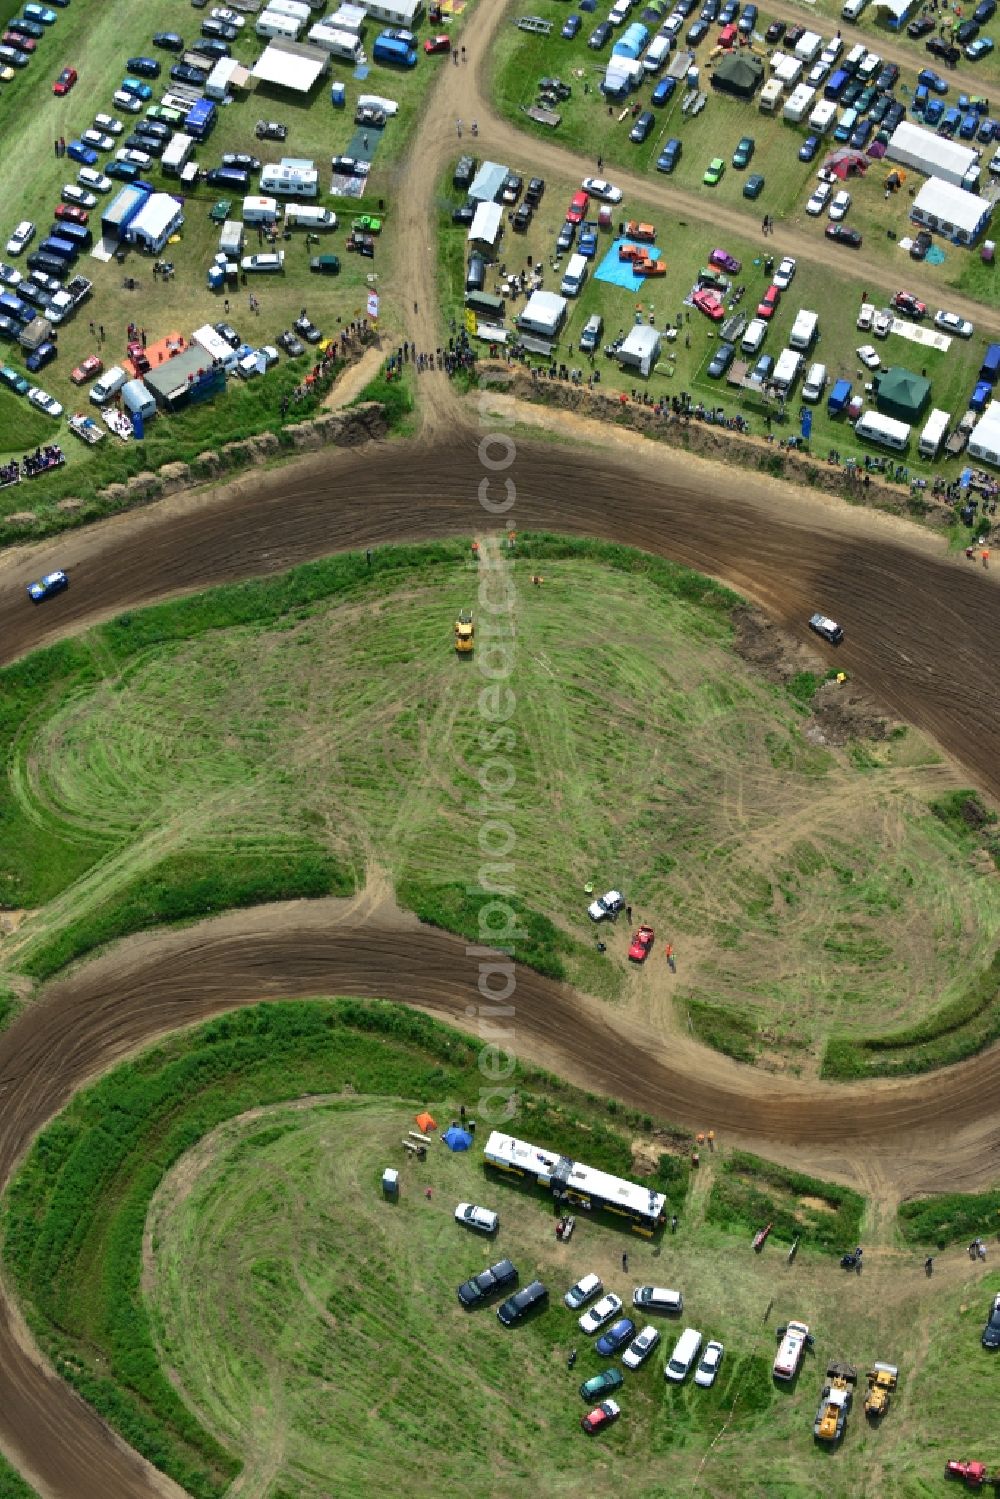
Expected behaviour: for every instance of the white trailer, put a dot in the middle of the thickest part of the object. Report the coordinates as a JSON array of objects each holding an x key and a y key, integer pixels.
[
  {"x": 177, "y": 154},
  {"x": 803, "y": 329},
  {"x": 786, "y": 371},
  {"x": 934, "y": 433},
  {"x": 799, "y": 103}
]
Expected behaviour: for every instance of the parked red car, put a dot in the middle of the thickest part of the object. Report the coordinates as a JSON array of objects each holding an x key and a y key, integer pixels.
[
  {"x": 908, "y": 304},
  {"x": 137, "y": 354},
  {"x": 642, "y": 944},
  {"x": 437, "y": 44},
  {"x": 602, "y": 1415},
  {"x": 65, "y": 81},
  {"x": 709, "y": 302},
  {"x": 87, "y": 370},
  {"x": 770, "y": 300},
  {"x": 72, "y": 213},
  {"x": 577, "y": 208}
]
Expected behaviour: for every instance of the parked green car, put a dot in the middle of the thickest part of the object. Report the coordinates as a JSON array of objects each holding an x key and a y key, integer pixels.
[
  {"x": 714, "y": 171},
  {"x": 602, "y": 1384}
]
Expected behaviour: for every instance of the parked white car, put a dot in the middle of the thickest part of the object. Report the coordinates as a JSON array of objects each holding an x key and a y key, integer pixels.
[
  {"x": 819, "y": 199},
  {"x": 73, "y": 194},
  {"x": 483, "y": 1220},
  {"x": 44, "y": 401},
  {"x": 866, "y": 317},
  {"x": 598, "y": 188},
  {"x": 709, "y": 1366},
  {"x": 791, "y": 1349},
  {"x": 228, "y": 17},
  {"x": 882, "y": 324},
  {"x": 785, "y": 273},
  {"x": 21, "y": 238},
  {"x": 950, "y": 322},
  {"x": 602, "y": 1311},
  {"x": 585, "y": 1290},
  {"x": 266, "y": 262},
  {"x": 606, "y": 905},
  {"x": 838, "y": 208},
  {"x": 10, "y": 275},
  {"x": 109, "y": 124},
  {"x": 869, "y": 358},
  {"x": 98, "y": 140},
  {"x": 127, "y": 102},
  {"x": 640, "y": 1348},
  {"x": 88, "y": 177}
]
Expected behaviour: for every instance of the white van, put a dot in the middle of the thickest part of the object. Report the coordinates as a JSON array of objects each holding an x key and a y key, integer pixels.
[
  {"x": 686, "y": 1350},
  {"x": 257, "y": 210},
  {"x": 108, "y": 385},
  {"x": 754, "y": 336},
  {"x": 657, "y": 1299},
  {"x": 308, "y": 216},
  {"x": 933, "y": 434},
  {"x": 851, "y": 9},
  {"x": 656, "y": 53},
  {"x": 575, "y": 276},
  {"x": 813, "y": 384},
  {"x": 883, "y": 430}
]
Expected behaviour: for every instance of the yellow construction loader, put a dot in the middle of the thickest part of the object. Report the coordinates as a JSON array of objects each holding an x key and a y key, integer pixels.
[
  {"x": 882, "y": 1380},
  {"x": 465, "y": 633}
]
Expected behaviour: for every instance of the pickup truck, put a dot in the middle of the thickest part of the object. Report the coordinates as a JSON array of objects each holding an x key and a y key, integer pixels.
[
  {"x": 69, "y": 297},
  {"x": 791, "y": 1349}
]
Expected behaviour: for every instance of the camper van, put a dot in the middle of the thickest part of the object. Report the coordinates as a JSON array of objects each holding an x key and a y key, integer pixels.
[
  {"x": 770, "y": 96},
  {"x": 786, "y": 371},
  {"x": 272, "y": 25},
  {"x": 822, "y": 117},
  {"x": 258, "y": 210},
  {"x": 294, "y": 8},
  {"x": 345, "y": 45},
  {"x": 814, "y": 382},
  {"x": 290, "y": 182},
  {"x": 754, "y": 336},
  {"x": 883, "y": 430},
  {"x": 177, "y": 155},
  {"x": 301, "y": 216},
  {"x": 575, "y": 275},
  {"x": 231, "y": 239},
  {"x": 803, "y": 329},
  {"x": 933, "y": 435}
]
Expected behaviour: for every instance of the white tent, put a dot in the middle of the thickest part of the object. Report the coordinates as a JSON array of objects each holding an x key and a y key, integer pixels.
[
  {"x": 984, "y": 440},
  {"x": 291, "y": 65},
  {"x": 486, "y": 224},
  {"x": 155, "y": 222},
  {"x": 959, "y": 215},
  {"x": 934, "y": 155},
  {"x": 623, "y": 74},
  {"x": 641, "y": 349},
  {"x": 896, "y": 11}
]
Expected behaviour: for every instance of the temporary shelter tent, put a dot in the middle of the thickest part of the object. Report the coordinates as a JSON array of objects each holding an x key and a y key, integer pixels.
[
  {"x": 901, "y": 394},
  {"x": 740, "y": 73}
]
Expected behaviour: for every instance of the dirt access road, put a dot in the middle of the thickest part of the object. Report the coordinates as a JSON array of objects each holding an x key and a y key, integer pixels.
[{"x": 921, "y": 635}]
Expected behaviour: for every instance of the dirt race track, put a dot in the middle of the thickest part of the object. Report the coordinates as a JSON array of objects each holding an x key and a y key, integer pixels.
[{"x": 921, "y": 635}]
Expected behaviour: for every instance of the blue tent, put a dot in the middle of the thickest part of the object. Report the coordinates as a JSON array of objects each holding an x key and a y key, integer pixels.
[{"x": 457, "y": 1139}]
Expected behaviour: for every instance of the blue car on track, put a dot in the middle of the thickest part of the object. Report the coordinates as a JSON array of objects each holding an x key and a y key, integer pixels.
[{"x": 47, "y": 587}]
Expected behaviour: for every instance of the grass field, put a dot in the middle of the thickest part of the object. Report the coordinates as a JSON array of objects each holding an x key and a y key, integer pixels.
[
  {"x": 289, "y": 1314},
  {"x": 187, "y": 758},
  {"x": 98, "y": 40},
  {"x": 685, "y": 247},
  {"x": 594, "y": 128}
]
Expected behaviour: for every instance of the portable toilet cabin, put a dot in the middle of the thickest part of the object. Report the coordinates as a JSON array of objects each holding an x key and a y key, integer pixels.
[
  {"x": 338, "y": 95},
  {"x": 390, "y": 1183}
]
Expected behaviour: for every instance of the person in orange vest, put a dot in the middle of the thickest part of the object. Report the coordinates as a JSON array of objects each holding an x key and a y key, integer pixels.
[
  {"x": 986, "y": 556},
  {"x": 475, "y": 550}
]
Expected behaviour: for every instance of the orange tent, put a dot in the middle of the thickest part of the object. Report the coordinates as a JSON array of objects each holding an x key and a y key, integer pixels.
[{"x": 425, "y": 1122}]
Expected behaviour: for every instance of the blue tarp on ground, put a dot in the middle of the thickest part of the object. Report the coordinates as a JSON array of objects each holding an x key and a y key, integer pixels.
[
  {"x": 457, "y": 1139},
  {"x": 620, "y": 272}
]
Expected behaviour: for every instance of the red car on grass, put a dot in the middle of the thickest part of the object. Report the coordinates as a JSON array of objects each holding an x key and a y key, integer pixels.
[
  {"x": 642, "y": 944},
  {"x": 22, "y": 43},
  {"x": 709, "y": 302},
  {"x": 65, "y": 81},
  {"x": 769, "y": 301},
  {"x": 437, "y": 44},
  {"x": 601, "y": 1416},
  {"x": 577, "y": 208},
  {"x": 72, "y": 213},
  {"x": 87, "y": 369}
]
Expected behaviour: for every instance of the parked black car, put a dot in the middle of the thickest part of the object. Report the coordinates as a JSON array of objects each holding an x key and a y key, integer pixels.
[
  {"x": 487, "y": 1283},
  {"x": 170, "y": 41},
  {"x": 183, "y": 72},
  {"x": 522, "y": 1302},
  {"x": 144, "y": 67},
  {"x": 920, "y": 28},
  {"x": 991, "y": 1332}
]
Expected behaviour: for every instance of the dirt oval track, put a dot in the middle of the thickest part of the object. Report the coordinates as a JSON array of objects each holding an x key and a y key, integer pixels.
[{"x": 921, "y": 634}]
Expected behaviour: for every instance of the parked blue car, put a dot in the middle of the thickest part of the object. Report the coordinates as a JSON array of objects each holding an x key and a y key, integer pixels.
[
  {"x": 571, "y": 27},
  {"x": 932, "y": 80},
  {"x": 77, "y": 151},
  {"x": 664, "y": 90},
  {"x": 617, "y": 1335}
]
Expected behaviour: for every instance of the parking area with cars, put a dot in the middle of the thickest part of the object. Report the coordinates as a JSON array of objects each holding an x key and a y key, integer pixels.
[
  {"x": 113, "y": 103},
  {"x": 716, "y": 318}
]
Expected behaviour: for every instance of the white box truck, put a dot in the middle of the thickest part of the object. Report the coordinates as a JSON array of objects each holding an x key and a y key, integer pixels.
[
  {"x": 231, "y": 239},
  {"x": 803, "y": 329},
  {"x": 933, "y": 435},
  {"x": 309, "y": 216}
]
